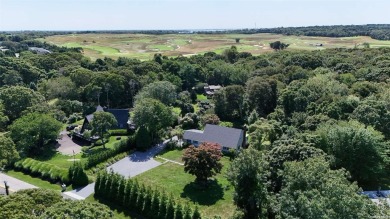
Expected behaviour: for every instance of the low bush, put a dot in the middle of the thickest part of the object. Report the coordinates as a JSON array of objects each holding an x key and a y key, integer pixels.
[
  {"x": 43, "y": 170},
  {"x": 172, "y": 145},
  {"x": 119, "y": 132}
]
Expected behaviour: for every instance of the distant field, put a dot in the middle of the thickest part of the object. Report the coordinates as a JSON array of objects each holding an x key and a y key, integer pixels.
[{"x": 143, "y": 46}]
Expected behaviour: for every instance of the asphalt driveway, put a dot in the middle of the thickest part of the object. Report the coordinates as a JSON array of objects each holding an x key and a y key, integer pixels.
[
  {"x": 137, "y": 162},
  {"x": 66, "y": 145},
  {"x": 129, "y": 166}
]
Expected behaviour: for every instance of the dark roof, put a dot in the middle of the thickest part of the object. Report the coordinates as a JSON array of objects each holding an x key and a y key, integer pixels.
[
  {"x": 121, "y": 116},
  {"x": 377, "y": 194},
  {"x": 227, "y": 137},
  {"x": 89, "y": 117},
  {"x": 39, "y": 50}
]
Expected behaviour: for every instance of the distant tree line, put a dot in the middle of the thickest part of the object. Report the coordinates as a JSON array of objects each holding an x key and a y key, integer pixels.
[{"x": 376, "y": 31}]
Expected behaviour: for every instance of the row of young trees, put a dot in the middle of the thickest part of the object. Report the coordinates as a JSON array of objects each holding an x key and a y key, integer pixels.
[{"x": 146, "y": 201}]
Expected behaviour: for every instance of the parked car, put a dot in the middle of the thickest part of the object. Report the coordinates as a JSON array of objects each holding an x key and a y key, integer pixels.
[{"x": 70, "y": 127}]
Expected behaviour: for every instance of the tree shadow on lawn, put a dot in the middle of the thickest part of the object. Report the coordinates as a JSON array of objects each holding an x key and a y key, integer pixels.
[
  {"x": 203, "y": 195},
  {"x": 46, "y": 154}
]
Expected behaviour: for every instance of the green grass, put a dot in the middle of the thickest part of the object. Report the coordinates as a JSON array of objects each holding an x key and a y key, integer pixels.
[
  {"x": 143, "y": 46},
  {"x": 174, "y": 155},
  {"x": 217, "y": 199},
  {"x": 196, "y": 107},
  {"x": 33, "y": 180},
  {"x": 201, "y": 97},
  {"x": 59, "y": 159},
  {"x": 160, "y": 47},
  {"x": 176, "y": 110}
]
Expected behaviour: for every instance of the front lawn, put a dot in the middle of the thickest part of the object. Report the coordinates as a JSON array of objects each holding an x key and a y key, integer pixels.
[
  {"x": 174, "y": 155},
  {"x": 60, "y": 160},
  {"x": 217, "y": 199}
]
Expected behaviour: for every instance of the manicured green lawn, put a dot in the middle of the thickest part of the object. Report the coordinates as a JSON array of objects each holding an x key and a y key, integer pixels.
[
  {"x": 33, "y": 180},
  {"x": 109, "y": 145},
  {"x": 174, "y": 155},
  {"x": 201, "y": 97},
  {"x": 217, "y": 199},
  {"x": 61, "y": 160}
]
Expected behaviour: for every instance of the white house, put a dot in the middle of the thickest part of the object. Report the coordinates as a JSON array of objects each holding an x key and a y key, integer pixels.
[{"x": 228, "y": 138}]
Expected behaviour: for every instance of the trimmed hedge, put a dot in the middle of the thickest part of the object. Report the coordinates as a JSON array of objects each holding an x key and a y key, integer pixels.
[
  {"x": 118, "y": 132},
  {"x": 43, "y": 170},
  {"x": 119, "y": 147},
  {"x": 150, "y": 203}
]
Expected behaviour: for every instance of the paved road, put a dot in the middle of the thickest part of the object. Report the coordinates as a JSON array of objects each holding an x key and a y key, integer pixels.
[
  {"x": 81, "y": 193},
  {"x": 14, "y": 184}
]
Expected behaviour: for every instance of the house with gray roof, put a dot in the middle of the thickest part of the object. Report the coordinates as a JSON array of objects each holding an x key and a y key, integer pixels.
[
  {"x": 228, "y": 138},
  {"x": 40, "y": 51},
  {"x": 121, "y": 116},
  {"x": 209, "y": 90}
]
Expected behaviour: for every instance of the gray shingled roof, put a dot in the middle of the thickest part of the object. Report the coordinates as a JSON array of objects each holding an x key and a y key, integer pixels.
[
  {"x": 228, "y": 137},
  {"x": 121, "y": 116}
]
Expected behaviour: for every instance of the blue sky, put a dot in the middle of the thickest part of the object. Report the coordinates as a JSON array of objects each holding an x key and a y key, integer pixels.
[{"x": 186, "y": 14}]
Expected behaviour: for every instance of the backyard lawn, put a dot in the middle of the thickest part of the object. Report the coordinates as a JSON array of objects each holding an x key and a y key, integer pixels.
[
  {"x": 217, "y": 199},
  {"x": 201, "y": 97}
]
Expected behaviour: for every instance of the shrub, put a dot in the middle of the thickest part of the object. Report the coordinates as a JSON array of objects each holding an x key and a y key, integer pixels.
[
  {"x": 43, "y": 170},
  {"x": 172, "y": 144},
  {"x": 74, "y": 117},
  {"x": 77, "y": 176},
  {"x": 118, "y": 132}
]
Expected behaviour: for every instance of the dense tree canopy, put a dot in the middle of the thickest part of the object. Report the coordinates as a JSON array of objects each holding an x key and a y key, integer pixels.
[
  {"x": 248, "y": 177},
  {"x": 8, "y": 152},
  {"x": 41, "y": 203},
  {"x": 296, "y": 107},
  {"x": 312, "y": 190},
  {"x": 152, "y": 114},
  {"x": 358, "y": 149},
  {"x": 101, "y": 123},
  {"x": 163, "y": 91},
  {"x": 32, "y": 132},
  {"x": 16, "y": 99}
]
